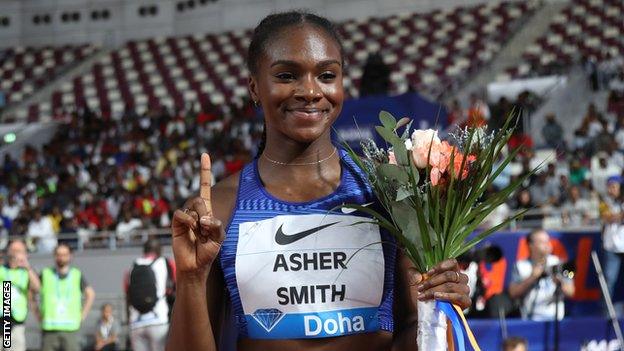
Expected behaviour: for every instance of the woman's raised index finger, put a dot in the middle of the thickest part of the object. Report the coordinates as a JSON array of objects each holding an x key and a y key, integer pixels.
[{"x": 205, "y": 180}]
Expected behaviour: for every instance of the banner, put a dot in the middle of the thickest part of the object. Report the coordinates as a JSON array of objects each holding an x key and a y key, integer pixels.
[
  {"x": 574, "y": 247},
  {"x": 359, "y": 117},
  {"x": 585, "y": 334}
]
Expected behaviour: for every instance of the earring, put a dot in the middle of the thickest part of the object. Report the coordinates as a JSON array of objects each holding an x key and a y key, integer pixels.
[{"x": 255, "y": 103}]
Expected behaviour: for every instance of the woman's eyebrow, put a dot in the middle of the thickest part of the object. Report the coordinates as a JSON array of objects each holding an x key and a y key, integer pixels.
[{"x": 294, "y": 63}]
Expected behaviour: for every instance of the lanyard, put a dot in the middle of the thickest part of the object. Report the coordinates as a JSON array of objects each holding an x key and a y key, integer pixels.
[{"x": 57, "y": 278}]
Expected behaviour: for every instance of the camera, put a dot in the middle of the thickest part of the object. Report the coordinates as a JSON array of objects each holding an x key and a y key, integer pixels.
[
  {"x": 565, "y": 270},
  {"x": 489, "y": 254}
]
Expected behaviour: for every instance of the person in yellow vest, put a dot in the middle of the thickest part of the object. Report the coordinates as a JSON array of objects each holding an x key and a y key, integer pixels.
[
  {"x": 63, "y": 288},
  {"x": 24, "y": 284}
]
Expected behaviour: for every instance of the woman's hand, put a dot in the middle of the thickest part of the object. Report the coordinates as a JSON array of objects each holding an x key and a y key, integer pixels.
[
  {"x": 197, "y": 235},
  {"x": 443, "y": 282}
]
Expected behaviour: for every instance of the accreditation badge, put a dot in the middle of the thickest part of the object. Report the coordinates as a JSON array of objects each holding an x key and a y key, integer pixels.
[
  {"x": 61, "y": 308},
  {"x": 310, "y": 276}
]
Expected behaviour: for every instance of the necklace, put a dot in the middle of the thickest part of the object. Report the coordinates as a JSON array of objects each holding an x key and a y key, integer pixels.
[{"x": 299, "y": 164}]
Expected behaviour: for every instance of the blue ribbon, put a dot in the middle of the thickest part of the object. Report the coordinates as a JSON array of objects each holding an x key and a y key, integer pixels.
[{"x": 459, "y": 328}]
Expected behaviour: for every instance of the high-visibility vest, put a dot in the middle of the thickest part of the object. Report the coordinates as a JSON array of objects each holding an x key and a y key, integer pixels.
[
  {"x": 61, "y": 300},
  {"x": 19, "y": 291}
]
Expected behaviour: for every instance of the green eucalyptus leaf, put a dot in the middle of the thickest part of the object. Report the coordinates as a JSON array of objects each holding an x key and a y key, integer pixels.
[
  {"x": 393, "y": 172},
  {"x": 403, "y": 193},
  {"x": 387, "y": 120},
  {"x": 403, "y": 215},
  {"x": 388, "y": 135}
]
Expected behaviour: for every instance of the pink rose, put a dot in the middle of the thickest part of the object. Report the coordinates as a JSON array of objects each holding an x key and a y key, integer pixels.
[
  {"x": 391, "y": 158},
  {"x": 422, "y": 142}
]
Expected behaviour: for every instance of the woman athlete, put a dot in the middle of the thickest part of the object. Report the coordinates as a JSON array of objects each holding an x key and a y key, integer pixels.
[{"x": 267, "y": 247}]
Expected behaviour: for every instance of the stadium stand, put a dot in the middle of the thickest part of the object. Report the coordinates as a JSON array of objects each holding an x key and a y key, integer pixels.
[
  {"x": 24, "y": 70},
  {"x": 426, "y": 52},
  {"x": 586, "y": 30},
  {"x": 130, "y": 130}
]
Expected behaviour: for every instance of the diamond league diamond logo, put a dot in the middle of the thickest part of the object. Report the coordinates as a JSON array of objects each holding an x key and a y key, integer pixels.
[{"x": 268, "y": 317}]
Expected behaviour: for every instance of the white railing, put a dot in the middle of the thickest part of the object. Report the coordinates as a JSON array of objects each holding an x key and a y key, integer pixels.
[{"x": 548, "y": 218}]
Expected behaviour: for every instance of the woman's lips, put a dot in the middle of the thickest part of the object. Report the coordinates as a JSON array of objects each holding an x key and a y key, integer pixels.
[{"x": 307, "y": 114}]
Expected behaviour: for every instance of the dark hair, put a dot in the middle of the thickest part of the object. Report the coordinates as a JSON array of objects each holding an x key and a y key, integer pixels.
[
  {"x": 63, "y": 245},
  {"x": 529, "y": 237},
  {"x": 269, "y": 27},
  {"x": 274, "y": 23},
  {"x": 152, "y": 246}
]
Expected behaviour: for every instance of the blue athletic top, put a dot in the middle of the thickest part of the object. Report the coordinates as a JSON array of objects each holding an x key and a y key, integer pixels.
[{"x": 310, "y": 269}]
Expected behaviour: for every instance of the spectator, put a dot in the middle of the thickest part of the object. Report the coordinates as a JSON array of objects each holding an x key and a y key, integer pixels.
[
  {"x": 478, "y": 112},
  {"x": 41, "y": 232},
  {"x": 552, "y": 132},
  {"x": 523, "y": 202},
  {"x": 552, "y": 179},
  {"x": 128, "y": 226},
  {"x": 564, "y": 186},
  {"x": 10, "y": 209},
  {"x": 603, "y": 139},
  {"x": 500, "y": 112},
  {"x": 601, "y": 171},
  {"x": 24, "y": 283},
  {"x": 504, "y": 177},
  {"x": 515, "y": 343},
  {"x": 375, "y": 76},
  {"x": 107, "y": 330},
  {"x": 615, "y": 156},
  {"x": 576, "y": 212},
  {"x": 592, "y": 121},
  {"x": 578, "y": 172},
  {"x": 5, "y": 224},
  {"x": 455, "y": 113},
  {"x": 149, "y": 315},
  {"x": 55, "y": 218},
  {"x": 617, "y": 83},
  {"x": 612, "y": 215},
  {"x": 544, "y": 192},
  {"x": 61, "y": 310},
  {"x": 535, "y": 282}
]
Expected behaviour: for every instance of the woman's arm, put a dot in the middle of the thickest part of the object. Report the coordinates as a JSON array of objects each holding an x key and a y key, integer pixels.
[
  {"x": 198, "y": 231},
  {"x": 444, "y": 282}
]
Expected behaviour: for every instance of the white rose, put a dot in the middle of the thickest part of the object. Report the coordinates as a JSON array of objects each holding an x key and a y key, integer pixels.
[{"x": 425, "y": 144}]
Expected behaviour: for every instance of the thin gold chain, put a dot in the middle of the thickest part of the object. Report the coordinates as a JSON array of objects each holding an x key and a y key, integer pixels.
[{"x": 299, "y": 164}]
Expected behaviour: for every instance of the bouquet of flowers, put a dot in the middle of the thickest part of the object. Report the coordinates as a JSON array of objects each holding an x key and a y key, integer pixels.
[{"x": 433, "y": 193}]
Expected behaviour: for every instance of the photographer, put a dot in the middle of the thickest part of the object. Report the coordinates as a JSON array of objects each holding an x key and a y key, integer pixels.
[{"x": 537, "y": 280}]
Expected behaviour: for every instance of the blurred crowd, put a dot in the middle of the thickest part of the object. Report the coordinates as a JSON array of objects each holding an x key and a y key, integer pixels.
[
  {"x": 100, "y": 173},
  {"x": 106, "y": 174},
  {"x": 568, "y": 189}
]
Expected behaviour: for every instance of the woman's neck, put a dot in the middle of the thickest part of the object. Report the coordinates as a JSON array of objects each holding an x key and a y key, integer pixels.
[
  {"x": 295, "y": 172},
  {"x": 291, "y": 153}
]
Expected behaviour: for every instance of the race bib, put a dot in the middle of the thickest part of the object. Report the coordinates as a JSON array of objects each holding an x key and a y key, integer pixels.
[{"x": 310, "y": 276}]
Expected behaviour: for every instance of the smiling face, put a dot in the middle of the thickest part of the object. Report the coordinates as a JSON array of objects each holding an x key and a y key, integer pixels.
[{"x": 299, "y": 83}]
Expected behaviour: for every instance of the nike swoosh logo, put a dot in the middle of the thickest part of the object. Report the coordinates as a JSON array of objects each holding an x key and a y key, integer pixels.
[
  {"x": 283, "y": 239},
  {"x": 351, "y": 210}
]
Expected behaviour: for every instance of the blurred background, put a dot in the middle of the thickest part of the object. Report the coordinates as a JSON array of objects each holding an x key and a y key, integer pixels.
[{"x": 105, "y": 107}]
